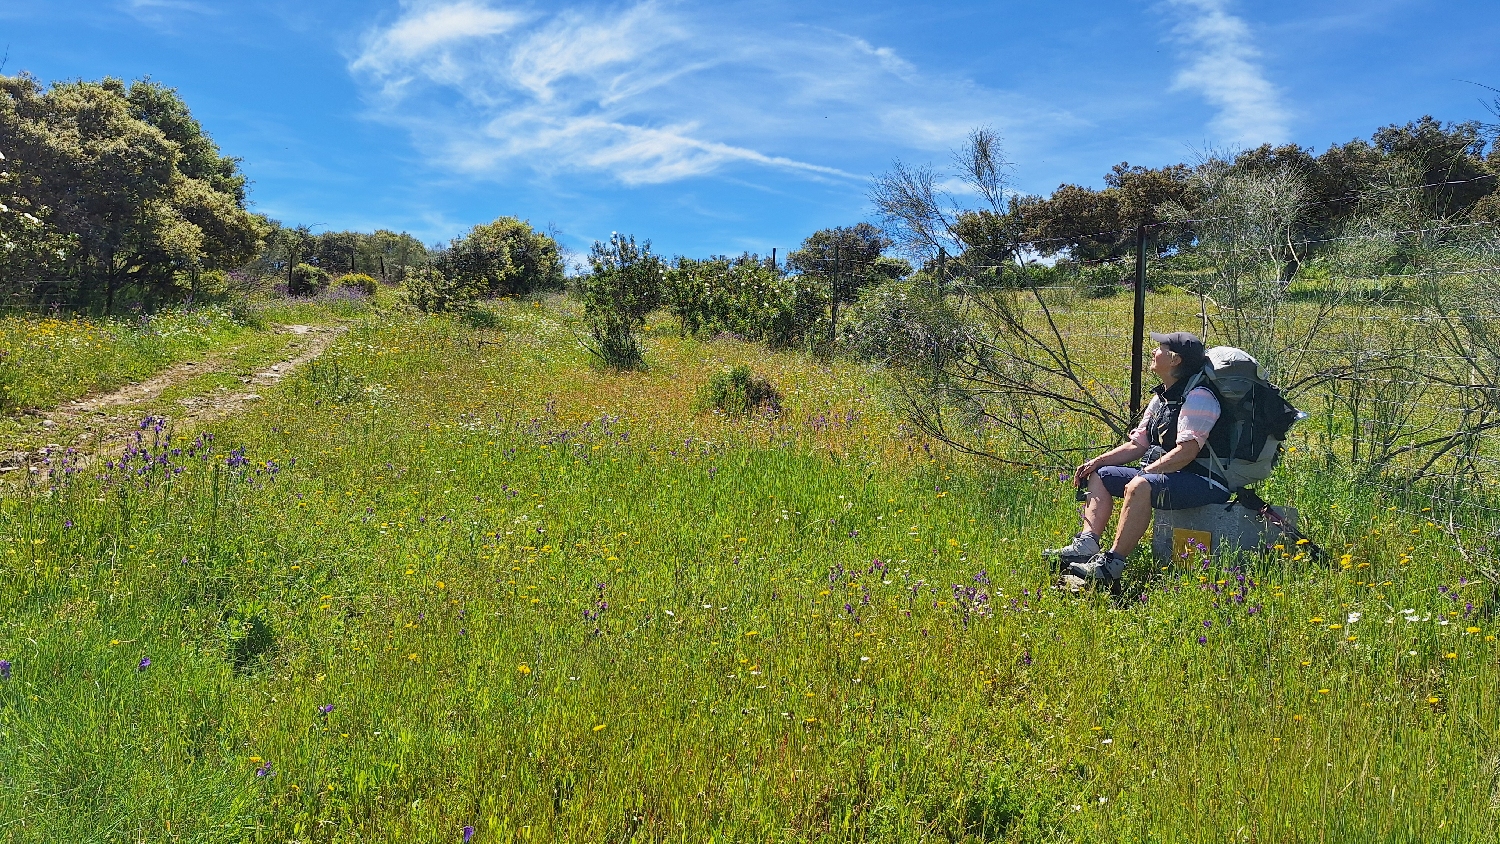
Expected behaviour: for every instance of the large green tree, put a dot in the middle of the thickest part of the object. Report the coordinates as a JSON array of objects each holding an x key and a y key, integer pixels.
[{"x": 126, "y": 189}]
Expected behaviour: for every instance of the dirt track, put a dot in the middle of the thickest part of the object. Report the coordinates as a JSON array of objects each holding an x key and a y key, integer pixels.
[{"x": 88, "y": 426}]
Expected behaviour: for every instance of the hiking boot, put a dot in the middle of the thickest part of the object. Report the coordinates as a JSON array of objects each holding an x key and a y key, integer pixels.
[
  {"x": 1104, "y": 567},
  {"x": 1083, "y": 547}
]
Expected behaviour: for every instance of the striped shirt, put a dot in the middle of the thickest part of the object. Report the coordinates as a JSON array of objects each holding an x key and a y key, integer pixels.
[{"x": 1200, "y": 410}]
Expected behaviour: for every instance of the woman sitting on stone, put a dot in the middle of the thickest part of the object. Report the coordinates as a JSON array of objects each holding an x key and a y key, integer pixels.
[{"x": 1167, "y": 441}]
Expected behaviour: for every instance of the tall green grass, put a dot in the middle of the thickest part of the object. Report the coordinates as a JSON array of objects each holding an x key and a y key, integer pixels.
[{"x": 555, "y": 604}]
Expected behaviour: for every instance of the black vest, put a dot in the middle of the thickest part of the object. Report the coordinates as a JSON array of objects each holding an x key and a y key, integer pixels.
[{"x": 1161, "y": 428}]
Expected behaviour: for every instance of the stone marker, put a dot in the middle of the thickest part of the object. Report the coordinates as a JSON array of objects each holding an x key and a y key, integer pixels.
[{"x": 1219, "y": 528}]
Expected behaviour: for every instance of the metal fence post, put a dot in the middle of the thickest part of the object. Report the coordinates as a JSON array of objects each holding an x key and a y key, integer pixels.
[{"x": 1138, "y": 328}]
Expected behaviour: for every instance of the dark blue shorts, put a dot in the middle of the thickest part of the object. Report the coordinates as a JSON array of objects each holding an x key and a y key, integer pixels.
[{"x": 1172, "y": 491}]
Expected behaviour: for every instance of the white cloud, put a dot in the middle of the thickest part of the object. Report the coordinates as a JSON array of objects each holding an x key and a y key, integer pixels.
[
  {"x": 646, "y": 94},
  {"x": 433, "y": 28},
  {"x": 1222, "y": 66}
]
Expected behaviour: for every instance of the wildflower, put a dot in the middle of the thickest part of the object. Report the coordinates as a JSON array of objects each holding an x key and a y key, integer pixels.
[
  {"x": 468, "y": 834},
  {"x": 1026, "y": 657},
  {"x": 264, "y": 770},
  {"x": 523, "y": 668},
  {"x": 144, "y": 663},
  {"x": 1471, "y": 630},
  {"x": 598, "y": 727},
  {"x": 1202, "y": 640},
  {"x": 1450, "y": 655},
  {"x": 1323, "y": 691},
  {"x": 325, "y": 709},
  {"x": 4, "y": 669}
]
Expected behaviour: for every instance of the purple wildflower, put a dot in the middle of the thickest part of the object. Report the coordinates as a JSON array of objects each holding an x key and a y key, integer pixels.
[
  {"x": 263, "y": 770},
  {"x": 4, "y": 669},
  {"x": 325, "y": 709},
  {"x": 468, "y": 834},
  {"x": 1026, "y": 657},
  {"x": 1202, "y": 640},
  {"x": 144, "y": 664}
]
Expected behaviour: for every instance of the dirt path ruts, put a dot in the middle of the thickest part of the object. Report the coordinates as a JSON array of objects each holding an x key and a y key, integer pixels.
[{"x": 90, "y": 428}]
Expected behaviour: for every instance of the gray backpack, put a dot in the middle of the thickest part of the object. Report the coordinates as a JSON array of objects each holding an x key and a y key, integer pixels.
[{"x": 1254, "y": 418}]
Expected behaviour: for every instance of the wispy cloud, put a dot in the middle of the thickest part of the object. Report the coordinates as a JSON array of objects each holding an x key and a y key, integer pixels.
[
  {"x": 154, "y": 9},
  {"x": 647, "y": 94},
  {"x": 1223, "y": 66}
]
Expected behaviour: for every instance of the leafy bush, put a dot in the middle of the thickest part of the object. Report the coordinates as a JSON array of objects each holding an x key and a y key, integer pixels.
[
  {"x": 307, "y": 279},
  {"x": 432, "y": 291},
  {"x": 900, "y": 323},
  {"x": 624, "y": 285},
  {"x": 504, "y": 258},
  {"x": 739, "y": 392},
  {"x": 359, "y": 281},
  {"x": 745, "y": 297}
]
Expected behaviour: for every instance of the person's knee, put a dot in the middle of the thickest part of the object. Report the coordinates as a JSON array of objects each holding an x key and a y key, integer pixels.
[{"x": 1137, "y": 488}]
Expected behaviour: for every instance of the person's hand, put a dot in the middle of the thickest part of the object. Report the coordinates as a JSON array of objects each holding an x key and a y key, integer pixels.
[{"x": 1084, "y": 470}]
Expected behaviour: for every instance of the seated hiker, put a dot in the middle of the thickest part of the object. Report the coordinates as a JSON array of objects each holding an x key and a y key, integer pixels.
[{"x": 1172, "y": 431}]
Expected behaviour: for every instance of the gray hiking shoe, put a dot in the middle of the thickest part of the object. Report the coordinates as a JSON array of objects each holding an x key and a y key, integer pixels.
[
  {"x": 1103, "y": 567},
  {"x": 1083, "y": 547}
]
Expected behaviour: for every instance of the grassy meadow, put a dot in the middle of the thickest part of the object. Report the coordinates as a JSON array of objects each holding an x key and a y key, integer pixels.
[{"x": 450, "y": 577}]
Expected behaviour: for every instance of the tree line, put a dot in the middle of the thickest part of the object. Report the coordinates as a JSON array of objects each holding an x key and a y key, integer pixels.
[{"x": 112, "y": 191}]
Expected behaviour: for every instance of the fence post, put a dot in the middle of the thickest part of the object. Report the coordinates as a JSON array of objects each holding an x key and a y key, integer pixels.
[
  {"x": 833, "y": 323},
  {"x": 773, "y": 258},
  {"x": 1138, "y": 326}
]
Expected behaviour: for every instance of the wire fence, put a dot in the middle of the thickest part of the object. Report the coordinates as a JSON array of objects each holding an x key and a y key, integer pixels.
[{"x": 1397, "y": 365}]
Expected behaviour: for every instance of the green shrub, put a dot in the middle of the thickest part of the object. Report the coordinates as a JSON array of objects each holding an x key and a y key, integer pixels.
[
  {"x": 746, "y": 297},
  {"x": 359, "y": 281},
  {"x": 739, "y": 392},
  {"x": 625, "y": 285},
  {"x": 901, "y": 323},
  {"x": 307, "y": 279},
  {"x": 505, "y": 258},
  {"x": 431, "y": 291}
]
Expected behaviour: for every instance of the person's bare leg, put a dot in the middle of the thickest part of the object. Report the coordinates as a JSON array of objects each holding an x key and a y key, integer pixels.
[
  {"x": 1135, "y": 516},
  {"x": 1099, "y": 507}
]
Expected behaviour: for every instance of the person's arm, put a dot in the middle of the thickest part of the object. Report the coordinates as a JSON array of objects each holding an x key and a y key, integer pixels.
[
  {"x": 1132, "y": 449},
  {"x": 1117, "y": 456},
  {"x": 1178, "y": 458}
]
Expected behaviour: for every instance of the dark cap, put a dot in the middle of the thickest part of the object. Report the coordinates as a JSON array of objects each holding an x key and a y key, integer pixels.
[{"x": 1185, "y": 343}]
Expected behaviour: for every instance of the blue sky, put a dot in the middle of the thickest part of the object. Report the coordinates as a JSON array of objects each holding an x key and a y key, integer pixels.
[{"x": 730, "y": 126}]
